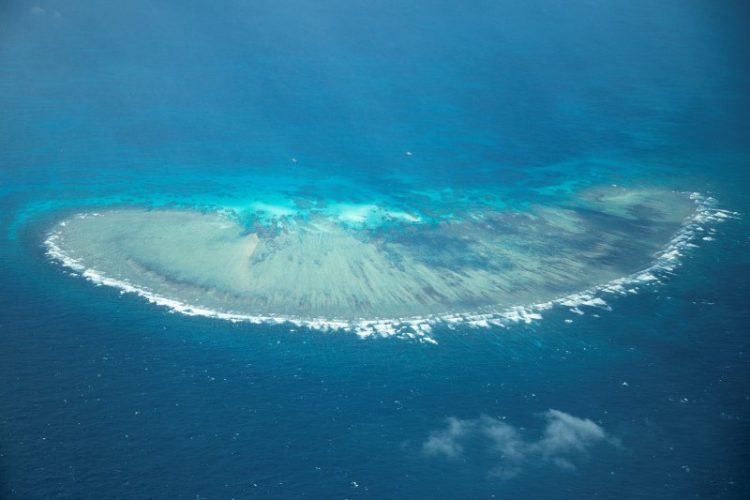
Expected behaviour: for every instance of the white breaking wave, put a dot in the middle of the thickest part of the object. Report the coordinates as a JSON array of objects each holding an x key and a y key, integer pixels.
[{"x": 421, "y": 327}]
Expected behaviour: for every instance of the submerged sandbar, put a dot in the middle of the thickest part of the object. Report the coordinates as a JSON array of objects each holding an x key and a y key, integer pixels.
[{"x": 315, "y": 266}]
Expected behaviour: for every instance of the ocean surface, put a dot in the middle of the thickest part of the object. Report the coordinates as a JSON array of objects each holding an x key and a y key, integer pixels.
[{"x": 617, "y": 367}]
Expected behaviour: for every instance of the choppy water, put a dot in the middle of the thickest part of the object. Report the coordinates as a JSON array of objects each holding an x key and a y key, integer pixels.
[{"x": 376, "y": 118}]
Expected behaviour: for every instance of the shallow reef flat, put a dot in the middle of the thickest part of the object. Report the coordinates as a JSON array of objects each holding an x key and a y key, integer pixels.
[{"x": 312, "y": 265}]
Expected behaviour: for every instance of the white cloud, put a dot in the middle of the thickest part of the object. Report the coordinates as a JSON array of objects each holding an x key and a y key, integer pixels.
[
  {"x": 564, "y": 440},
  {"x": 568, "y": 434},
  {"x": 37, "y": 11},
  {"x": 448, "y": 441}
]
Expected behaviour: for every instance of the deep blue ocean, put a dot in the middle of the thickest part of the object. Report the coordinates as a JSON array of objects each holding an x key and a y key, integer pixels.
[{"x": 181, "y": 103}]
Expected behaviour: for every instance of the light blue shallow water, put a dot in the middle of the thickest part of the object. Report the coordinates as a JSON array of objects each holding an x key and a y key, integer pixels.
[{"x": 205, "y": 106}]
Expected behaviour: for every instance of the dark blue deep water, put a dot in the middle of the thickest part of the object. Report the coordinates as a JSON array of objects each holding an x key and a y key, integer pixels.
[{"x": 104, "y": 395}]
